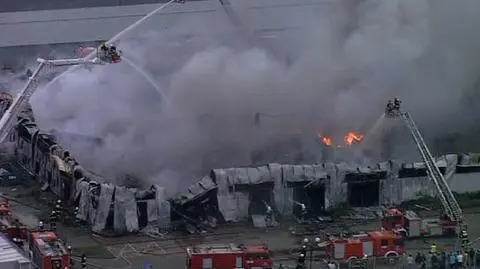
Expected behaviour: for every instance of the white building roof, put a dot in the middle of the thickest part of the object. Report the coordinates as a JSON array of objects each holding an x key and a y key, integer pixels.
[
  {"x": 197, "y": 18},
  {"x": 9, "y": 252}
]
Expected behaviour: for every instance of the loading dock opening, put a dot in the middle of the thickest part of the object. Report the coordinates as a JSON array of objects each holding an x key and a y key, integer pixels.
[
  {"x": 260, "y": 195},
  {"x": 364, "y": 193},
  {"x": 313, "y": 197}
]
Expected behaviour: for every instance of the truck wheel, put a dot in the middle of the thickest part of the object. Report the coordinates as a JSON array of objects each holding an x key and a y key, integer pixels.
[
  {"x": 392, "y": 258},
  {"x": 352, "y": 258}
]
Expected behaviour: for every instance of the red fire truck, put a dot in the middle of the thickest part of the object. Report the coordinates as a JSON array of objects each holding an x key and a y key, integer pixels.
[
  {"x": 410, "y": 225},
  {"x": 9, "y": 225},
  {"x": 229, "y": 256},
  {"x": 48, "y": 251},
  {"x": 372, "y": 244}
]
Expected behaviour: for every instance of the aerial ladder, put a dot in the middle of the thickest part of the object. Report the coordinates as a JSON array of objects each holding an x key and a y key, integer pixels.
[
  {"x": 106, "y": 54},
  {"x": 445, "y": 194}
]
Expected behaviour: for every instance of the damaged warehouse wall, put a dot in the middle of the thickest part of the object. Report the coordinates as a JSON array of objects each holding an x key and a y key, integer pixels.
[
  {"x": 101, "y": 204},
  {"x": 238, "y": 190}
]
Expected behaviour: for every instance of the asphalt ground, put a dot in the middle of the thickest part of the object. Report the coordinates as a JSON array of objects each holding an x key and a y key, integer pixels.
[{"x": 136, "y": 251}]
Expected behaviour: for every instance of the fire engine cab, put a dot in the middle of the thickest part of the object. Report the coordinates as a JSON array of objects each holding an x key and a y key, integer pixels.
[
  {"x": 410, "y": 225},
  {"x": 372, "y": 244},
  {"x": 229, "y": 256},
  {"x": 9, "y": 225},
  {"x": 48, "y": 251}
]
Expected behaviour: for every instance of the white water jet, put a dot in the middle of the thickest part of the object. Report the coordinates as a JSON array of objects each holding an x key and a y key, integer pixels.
[
  {"x": 372, "y": 133},
  {"x": 375, "y": 127},
  {"x": 150, "y": 80},
  {"x": 113, "y": 39}
]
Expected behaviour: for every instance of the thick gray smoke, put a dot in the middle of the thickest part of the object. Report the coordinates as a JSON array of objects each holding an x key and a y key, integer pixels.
[{"x": 353, "y": 57}]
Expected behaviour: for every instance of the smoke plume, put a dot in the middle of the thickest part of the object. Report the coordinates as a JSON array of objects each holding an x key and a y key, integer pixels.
[{"x": 342, "y": 67}]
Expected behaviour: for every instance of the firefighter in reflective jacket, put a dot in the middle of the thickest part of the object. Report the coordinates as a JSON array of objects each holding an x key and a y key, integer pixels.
[{"x": 83, "y": 261}]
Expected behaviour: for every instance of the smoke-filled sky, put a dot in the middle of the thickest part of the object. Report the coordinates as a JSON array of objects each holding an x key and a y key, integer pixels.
[{"x": 353, "y": 56}]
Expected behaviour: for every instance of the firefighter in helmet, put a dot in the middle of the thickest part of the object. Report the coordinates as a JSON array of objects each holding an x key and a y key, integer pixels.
[
  {"x": 105, "y": 52},
  {"x": 75, "y": 215},
  {"x": 396, "y": 103},
  {"x": 53, "y": 220},
  {"x": 104, "y": 47},
  {"x": 303, "y": 250},
  {"x": 301, "y": 260},
  {"x": 59, "y": 210},
  {"x": 69, "y": 249},
  {"x": 389, "y": 108},
  {"x": 58, "y": 206},
  {"x": 303, "y": 211},
  {"x": 109, "y": 53},
  {"x": 83, "y": 261},
  {"x": 464, "y": 239},
  {"x": 268, "y": 215}
]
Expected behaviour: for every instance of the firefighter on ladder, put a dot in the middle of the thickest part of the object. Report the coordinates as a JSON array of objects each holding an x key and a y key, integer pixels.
[
  {"x": 389, "y": 108},
  {"x": 109, "y": 53}
]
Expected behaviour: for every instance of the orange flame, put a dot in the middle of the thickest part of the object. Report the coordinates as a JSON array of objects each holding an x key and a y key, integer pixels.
[
  {"x": 327, "y": 140},
  {"x": 349, "y": 139},
  {"x": 352, "y": 137}
]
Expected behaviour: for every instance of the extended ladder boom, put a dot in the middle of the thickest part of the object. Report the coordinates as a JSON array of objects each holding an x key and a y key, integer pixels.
[
  {"x": 452, "y": 208},
  {"x": 9, "y": 118}
]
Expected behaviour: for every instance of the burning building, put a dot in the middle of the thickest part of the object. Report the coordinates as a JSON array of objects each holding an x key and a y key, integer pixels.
[{"x": 230, "y": 194}]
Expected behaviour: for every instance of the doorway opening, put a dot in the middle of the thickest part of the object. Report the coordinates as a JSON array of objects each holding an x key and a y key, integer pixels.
[
  {"x": 364, "y": 193},
  {"x": 260, "y": 195},
  {"x": 313, "y": 197}
]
